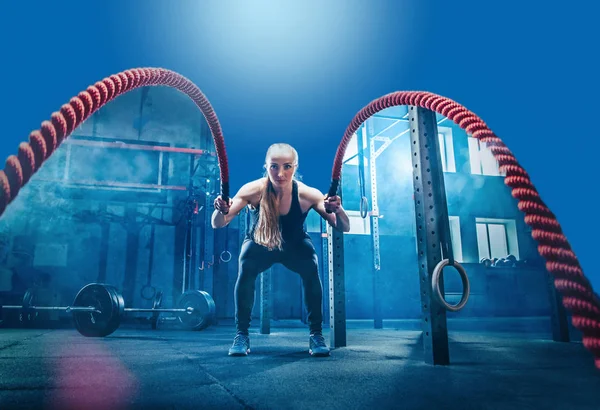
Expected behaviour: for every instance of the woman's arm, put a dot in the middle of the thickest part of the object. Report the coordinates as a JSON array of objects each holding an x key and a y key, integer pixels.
[
  {"x": 338, "y": 218},
  {"x": 224, "y": 213}
]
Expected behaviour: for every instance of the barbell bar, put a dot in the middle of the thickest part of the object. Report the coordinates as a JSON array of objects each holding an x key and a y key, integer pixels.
[
  {"x": 98, "y": 308},
  {"x": 68, "y": 309},
  {"x": 91, "y": 309},
  {"x": 189, "y": 310}
]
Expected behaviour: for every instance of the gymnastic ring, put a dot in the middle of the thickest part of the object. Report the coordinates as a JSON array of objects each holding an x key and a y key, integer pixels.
[
  {"x": 364, "y": 207},
  {"x": 435, "y": 284},
  {"x": 227, "y": 259}
]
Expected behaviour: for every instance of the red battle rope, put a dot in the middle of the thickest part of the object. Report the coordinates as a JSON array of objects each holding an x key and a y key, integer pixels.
[
  {"x": 577, "y": 293},
  {"x": 43, "y": 142}
]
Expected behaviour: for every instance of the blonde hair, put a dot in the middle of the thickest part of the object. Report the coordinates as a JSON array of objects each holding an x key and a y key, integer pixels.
[{"x": 267, "y": 231}]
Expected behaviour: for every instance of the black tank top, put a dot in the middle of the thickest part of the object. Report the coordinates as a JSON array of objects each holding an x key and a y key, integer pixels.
[{"x": 291, "y": 224}]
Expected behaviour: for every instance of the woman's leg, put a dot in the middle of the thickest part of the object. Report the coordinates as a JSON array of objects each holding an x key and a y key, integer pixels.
[
  {"x": 302, "y": 259},
  {"x": 253, "y": 260}
]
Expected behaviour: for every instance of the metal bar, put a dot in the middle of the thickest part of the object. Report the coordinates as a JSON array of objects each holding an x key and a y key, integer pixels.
[
  {"x": 386, "y": 117},
  {"x": 242, "y": 227},
  {"x": 65, "y": 308},
  {"x": 192, "y": 254},
  {"x": 138, "y": 147},
  {"x": 161, "y": 170},
  {"x": 104, "y": 245},
  {"x": 131, "y": 252},
  {"x": 382, "y": 139},
  {"x": 351, "y": 158},
  {"x": 325, "y": 271},
  {"x": 360, "y": 139},
  {"x": 337, "y": 286},
  {"x": 221, "y": 272},
  {"x": 374, "y": 224},
  {"x": 179, "y": 262},
  {"x": 209, "y": 245},
  {"x": 430, "y": 208},
  {"x": 196, "y": 266},
  {"x": 149, "y": 310},
  {"x": 444, "y": 220},
  {"x": 265, "y": 302},
  {"x": 75, "y": 309}
]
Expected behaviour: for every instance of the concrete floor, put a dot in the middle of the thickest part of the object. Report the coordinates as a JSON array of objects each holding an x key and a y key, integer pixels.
[{"x": 139, "y": 368}]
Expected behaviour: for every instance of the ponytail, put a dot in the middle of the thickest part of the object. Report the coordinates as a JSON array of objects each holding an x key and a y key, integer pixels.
[{"x": 267, "y": 231}]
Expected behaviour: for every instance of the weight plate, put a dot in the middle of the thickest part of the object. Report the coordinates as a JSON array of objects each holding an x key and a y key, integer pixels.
[
  {"x": 204, "y": 309},
  {"x": 108, "y": 301}
]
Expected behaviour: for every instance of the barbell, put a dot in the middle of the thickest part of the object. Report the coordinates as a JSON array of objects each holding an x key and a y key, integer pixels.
[{"x": 98, "y": 308}]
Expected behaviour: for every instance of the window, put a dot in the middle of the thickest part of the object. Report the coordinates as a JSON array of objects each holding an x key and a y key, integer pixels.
[
  {"x": 446, "y": 149},
  {"x": 455, "y": 238},
  {"x": 482, "y": 159},
  {"x": 496, "y": 238}
]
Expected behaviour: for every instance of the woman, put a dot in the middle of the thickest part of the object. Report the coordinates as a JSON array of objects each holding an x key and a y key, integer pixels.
[{"x": 278, "y": 207}]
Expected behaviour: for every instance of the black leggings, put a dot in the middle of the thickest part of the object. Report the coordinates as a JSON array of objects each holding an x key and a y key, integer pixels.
[{"x": 298, "y": 257}]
